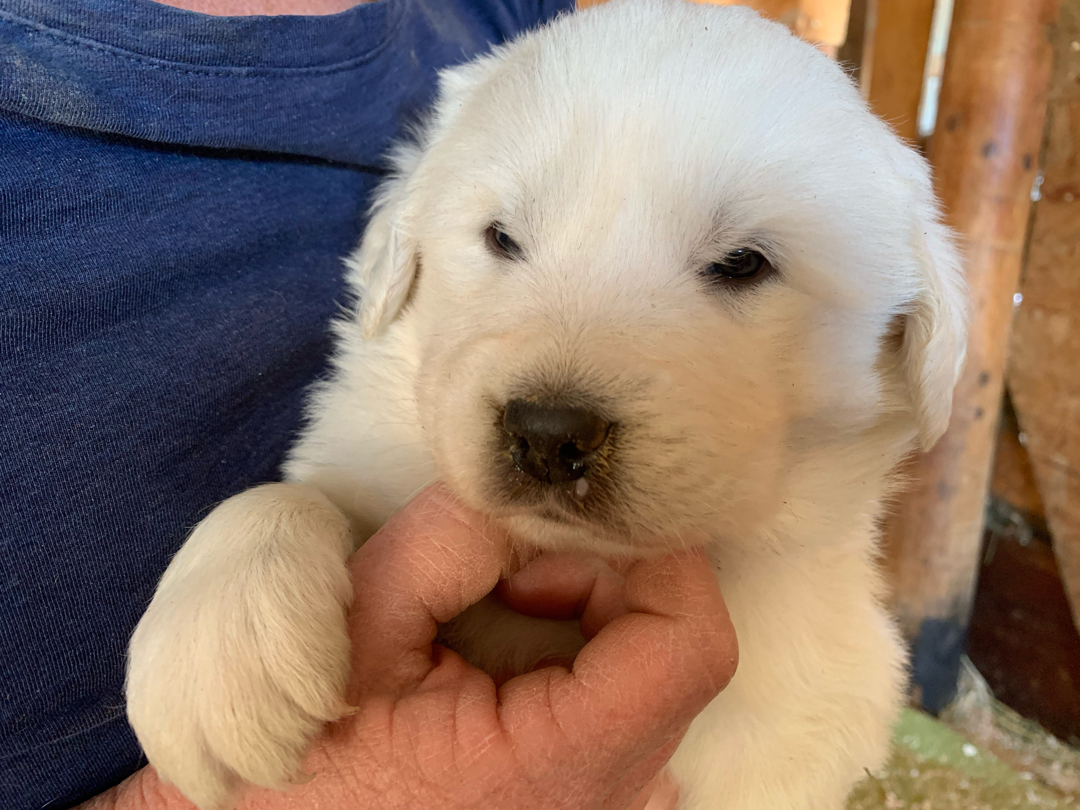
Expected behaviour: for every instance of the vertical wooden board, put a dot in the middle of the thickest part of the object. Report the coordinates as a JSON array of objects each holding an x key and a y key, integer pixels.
[
  {"x": 897, "y": 58},
  {"x": 1013, "y": 478},
  {"x": 984, "y": 150},
  {"x": 824, "y": 22},
  {"x": 1044, "y": 370},
  {"x": 1023, "y": 639},
  {"x": 853, "y": 53}
]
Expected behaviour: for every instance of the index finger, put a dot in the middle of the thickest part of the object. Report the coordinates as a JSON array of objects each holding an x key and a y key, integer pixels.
[
  {"x": 643, "y": 678},
  {"x": 431, "y": 561}
]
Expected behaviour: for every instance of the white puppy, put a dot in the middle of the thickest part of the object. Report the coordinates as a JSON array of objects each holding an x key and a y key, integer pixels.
[{"x": 653, "y": 272}]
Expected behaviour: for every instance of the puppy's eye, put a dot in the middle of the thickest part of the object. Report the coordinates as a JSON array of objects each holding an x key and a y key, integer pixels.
[
  {"x": 740, "y": 265},
  {"x": 500, "y": 243}
]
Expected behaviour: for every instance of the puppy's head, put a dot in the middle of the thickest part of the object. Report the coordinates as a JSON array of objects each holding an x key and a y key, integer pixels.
[{"x": 658, "y": 255}]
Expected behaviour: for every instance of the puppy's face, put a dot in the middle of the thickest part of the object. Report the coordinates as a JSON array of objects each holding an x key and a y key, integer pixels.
[{"x": 653, "y": 255}]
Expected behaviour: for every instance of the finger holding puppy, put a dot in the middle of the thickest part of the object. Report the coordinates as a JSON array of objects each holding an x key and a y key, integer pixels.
[
  {"x": 565, "y": 587},
  {"x": 431, "y": 731}
]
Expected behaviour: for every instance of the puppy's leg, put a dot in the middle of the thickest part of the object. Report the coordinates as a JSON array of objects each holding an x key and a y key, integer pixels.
[
  {"x": 810, "y": 709},
  {"x": 754, "y": 757},
  {"x": 243, "y": 653}
]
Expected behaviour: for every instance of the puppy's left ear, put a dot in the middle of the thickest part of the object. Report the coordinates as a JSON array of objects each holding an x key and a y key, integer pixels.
[
  {"x": 935, "y": 332},
  {"x": 385, "y": 265},
  {"x": 382, "y": 269}
]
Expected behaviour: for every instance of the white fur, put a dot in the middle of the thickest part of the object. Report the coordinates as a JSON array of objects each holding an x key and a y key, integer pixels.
[{"x": 624, "y": 148}]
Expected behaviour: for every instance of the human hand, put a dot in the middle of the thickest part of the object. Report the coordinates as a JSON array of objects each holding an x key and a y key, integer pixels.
[{"x": 432, "y": 732}]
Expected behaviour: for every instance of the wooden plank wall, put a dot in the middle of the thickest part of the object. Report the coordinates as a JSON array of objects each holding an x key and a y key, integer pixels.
[
  {"x": 1044, "y": 368},
  {"x": 1022, "y": 637},
  {"x": 894, "y": 59},
  {"x": 984, "y": 152}
]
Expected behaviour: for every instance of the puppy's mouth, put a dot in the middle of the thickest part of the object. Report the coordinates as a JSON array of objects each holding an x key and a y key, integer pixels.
[
  {"x": 566, "y": 504},
  {"x": 581, "y": 513},
  {"x": 588, "y": 513}
]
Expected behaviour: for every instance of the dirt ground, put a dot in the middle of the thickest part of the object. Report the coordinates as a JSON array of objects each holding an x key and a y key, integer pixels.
[{"x": 979, "y": 756}]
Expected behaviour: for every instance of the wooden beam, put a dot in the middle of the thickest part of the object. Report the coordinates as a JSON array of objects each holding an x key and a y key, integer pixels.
[
  {"x": 1013, "y": 478},
  {"x": 898, "y": 36},
  {"x": 984, "y": 152},
  {"x": 823, "y": 22},
  {"x": 1044, "y": 370},
  {"x": 852, "y": 54}
]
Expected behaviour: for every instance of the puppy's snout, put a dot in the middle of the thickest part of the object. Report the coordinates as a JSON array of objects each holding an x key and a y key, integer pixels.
[{"x": 551, "y": 443}]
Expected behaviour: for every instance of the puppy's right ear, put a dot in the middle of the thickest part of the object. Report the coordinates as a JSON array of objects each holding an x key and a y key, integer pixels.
[
  {"x": 935, "y": 335},
  {"x": 382, "y": 269}
]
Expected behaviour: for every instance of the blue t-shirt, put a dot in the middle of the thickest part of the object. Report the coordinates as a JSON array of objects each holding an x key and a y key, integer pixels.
[{"x": 176, "y": 194}]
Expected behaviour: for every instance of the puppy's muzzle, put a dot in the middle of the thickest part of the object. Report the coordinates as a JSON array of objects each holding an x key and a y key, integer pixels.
[{"x": 551, "y": 443}]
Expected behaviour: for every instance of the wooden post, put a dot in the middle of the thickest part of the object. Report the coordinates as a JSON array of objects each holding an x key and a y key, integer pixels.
[
  {"x": 985, "y": 151},
  {"x": 894, "y": 59},
  {"x": 823, "y": 22},
  {"x": 1044, "y": 366}
]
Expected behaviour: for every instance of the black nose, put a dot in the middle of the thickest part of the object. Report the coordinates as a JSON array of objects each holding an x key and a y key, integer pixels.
[{"x": 550, "y": 443}]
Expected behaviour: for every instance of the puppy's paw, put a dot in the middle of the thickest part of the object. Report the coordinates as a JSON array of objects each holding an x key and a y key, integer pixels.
[{"x": 243, "y": 653}]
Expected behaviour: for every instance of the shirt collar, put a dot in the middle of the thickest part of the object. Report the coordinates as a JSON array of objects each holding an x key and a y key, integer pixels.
[{"x": 327, "y": 87}]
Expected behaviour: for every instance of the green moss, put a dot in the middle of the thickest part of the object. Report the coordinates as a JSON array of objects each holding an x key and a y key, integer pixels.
[{"x": 934, "y": 768}]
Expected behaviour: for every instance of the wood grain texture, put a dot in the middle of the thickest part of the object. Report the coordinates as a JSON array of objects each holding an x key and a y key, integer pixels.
[
  {"x": 899, "y": 36},
  {"x": 853, "y": 52},
  {"x": 1044, "y": 369},
  {"x": 1013, "y": 478},
  {"x": 1023, "y": 640},
  {"x": 984, "y": 152}
]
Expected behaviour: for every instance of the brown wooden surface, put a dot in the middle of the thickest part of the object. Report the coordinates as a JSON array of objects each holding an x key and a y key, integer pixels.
[
  {"x": 984, "y": 151},
  {"x": 852, "y": 51},
  {"x": 1044, "y": 369},
  {"x": 892, "y": 76},
  {"x": 1023, "y": 640},
  {"x": 1013, "y": 477}
]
